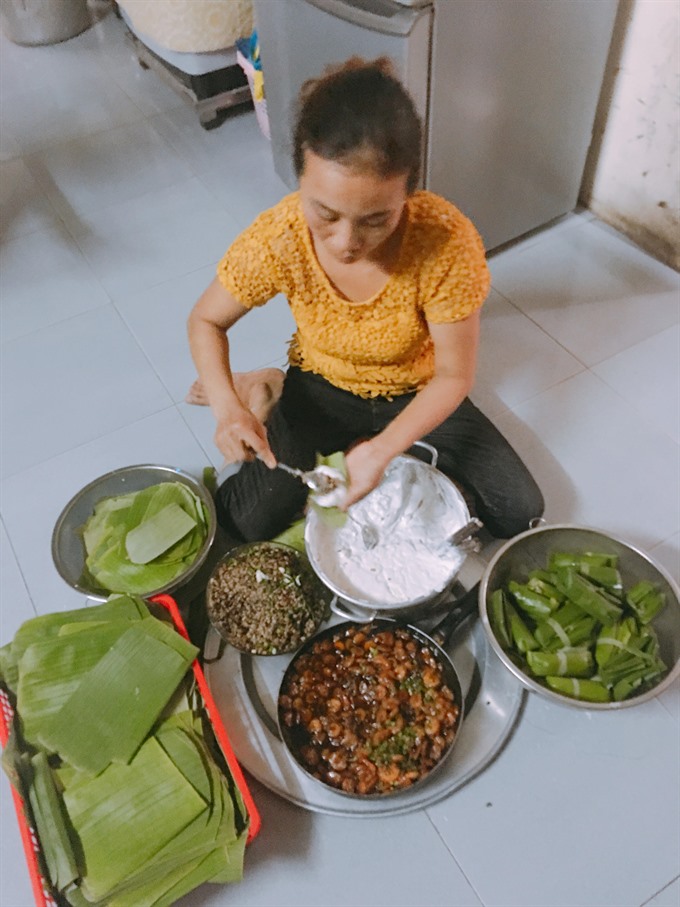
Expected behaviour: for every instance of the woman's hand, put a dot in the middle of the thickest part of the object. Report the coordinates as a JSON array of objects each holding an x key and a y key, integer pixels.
[
  {"x": 241, "y": 436},
  {"x": 365, "y": 468}
]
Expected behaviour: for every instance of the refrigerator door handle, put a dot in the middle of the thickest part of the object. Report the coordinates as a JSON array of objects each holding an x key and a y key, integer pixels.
[{"x": 384, "y": 16}]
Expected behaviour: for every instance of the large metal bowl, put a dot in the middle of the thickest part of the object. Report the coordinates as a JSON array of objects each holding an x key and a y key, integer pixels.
[
  {"x": 530, "y": 550},
  {"x": 312, "y": 591},
  {"x": 322, "y": 541},
  {"x": 68, "y": 549}
]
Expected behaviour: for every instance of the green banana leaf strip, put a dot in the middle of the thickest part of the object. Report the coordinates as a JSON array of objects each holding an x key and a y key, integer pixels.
[
  {"x": 587, "y": 596},
  {"x": 53, "y": 830},
  {"x": 9, "y": 667},
  {"x": 532, "y": 603},
  {"x": 89, "y": 732},
  {"x": 521, "y": 634},
  {"x": 547, "y": 589},
  {"x": 126, "y": 814},
  {"x": 51, "y": 670},
  {"x": 564, "y": 662},
  {"x": 498, "y": 617},
  {"x": 294, "y": 536},
  {"x": 105, "y": 533},
  {"x": 588, "y": 690},
  {"x": 603, "y": 575},
  {"x": 646, "y": 600},
  {"x": 333, "y": 516},
  {"x": 152, "y": 538},
  {"x": 616, "y": 637},
  {"x": 581, "y": 561},
  {"x": 569, "y": 626}
]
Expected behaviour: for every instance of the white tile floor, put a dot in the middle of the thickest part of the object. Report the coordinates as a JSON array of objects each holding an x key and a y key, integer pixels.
[{"x": 116, "y": 206}]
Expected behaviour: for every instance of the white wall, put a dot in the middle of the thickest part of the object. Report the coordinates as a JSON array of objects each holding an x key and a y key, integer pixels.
[{"x": 632, "y": 177}]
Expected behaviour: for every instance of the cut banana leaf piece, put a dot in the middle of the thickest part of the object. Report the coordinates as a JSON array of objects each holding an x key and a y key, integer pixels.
[
  {"x": 154, "y": 536},
  {"x": 52, "y": 825},
  {"x": 126, "y": 814},
  {"x": 50, "y": 671},
  {"x": 143, "y": 540},
  {"x": 90, "y": 731}
]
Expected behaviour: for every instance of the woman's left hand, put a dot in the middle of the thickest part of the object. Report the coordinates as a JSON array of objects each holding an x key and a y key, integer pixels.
[{"x": 365, "y": 468}]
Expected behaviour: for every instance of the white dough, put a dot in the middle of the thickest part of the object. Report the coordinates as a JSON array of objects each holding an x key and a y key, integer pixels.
[{"x": 415, "y": 511}]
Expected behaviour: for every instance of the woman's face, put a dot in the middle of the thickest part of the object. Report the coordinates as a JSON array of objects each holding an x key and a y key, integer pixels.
[{"x": 350, "y": 213}]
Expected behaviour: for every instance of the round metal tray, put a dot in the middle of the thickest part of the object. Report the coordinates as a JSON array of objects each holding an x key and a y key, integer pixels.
[{"x": 246, "y": 689}]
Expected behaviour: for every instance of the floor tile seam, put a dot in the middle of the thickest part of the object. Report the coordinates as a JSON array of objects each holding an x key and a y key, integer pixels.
[
  {"x": 674, "y": 717},
  {"x": 60, "y": 453},
  {"x": 646, "y": 339},
  {"x": 631, "y": 346},
  {"x": 128, "y": 327},
  {"x": 60, "y": 321},
  {"x": 82, "y": 136},
  {"x": 73, "y": 217},
  {"x": 197, "y": 439},
  {"x": 82, "y": 233},
  {"x": 174, "y": 146},
  {"x": 661, "y": 890},
  {"x": 453, "y": 857},
  {"x": 515, "y": 408},
  {"x": 18, "y": 564},
  {"x": 529, "y": 239},
  {"x": 652, "y": 426},
  {"x": 97, "y": 133},
  {"x": 540, "y": 327},
  {"x": 240, "y": 226}
]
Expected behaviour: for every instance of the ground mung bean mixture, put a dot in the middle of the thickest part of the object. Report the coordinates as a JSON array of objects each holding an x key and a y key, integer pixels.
[{"x": 264, "y": 599}]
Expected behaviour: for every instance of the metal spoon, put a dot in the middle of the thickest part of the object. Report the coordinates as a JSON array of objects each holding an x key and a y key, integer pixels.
[{"x": 317, "y": 481}]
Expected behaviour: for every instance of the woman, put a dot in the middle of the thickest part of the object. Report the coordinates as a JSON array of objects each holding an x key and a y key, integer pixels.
[{"x": 385, "y": 284}]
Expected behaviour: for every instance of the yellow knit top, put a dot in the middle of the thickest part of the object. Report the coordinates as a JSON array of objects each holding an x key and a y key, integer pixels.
[{"x": 380, "y": 347}]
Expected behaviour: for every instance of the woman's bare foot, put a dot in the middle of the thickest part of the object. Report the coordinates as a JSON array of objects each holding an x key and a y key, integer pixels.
[
  {"x": 196, "y": 394},
  {"x": 259, "y": 390}
]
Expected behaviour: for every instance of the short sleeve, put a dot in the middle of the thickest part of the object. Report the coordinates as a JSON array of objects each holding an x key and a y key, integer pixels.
[
  {"x": 458, "y": 282},
  {"x": 249, "y": 268}
]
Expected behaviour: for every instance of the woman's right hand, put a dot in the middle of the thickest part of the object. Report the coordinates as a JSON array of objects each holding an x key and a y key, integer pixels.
[{"x": 240, "y": 436}]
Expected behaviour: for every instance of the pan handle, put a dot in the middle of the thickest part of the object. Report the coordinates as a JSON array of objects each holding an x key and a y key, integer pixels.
[
  {"x": 464, "y": 607},
  {"x": 433, "y": 452},
  {"x": 337, "y": 608}
]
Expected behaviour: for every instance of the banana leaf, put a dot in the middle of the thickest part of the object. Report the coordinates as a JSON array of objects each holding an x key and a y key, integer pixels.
[
  {"x": 105, "y": 533},
  {"x": 564, "y": 662},
  {"x": 126, "y": 814},
  {"x": 646, "y": 600},
  {"x": 49, "y": 815},
  {"x": 587, "y": 596},
  {"x": 50, "y": 671},
  {"x": 589, "y": 690},
  {"x": 144, "y": 666}
]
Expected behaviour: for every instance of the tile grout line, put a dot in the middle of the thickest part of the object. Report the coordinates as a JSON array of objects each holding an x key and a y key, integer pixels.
[
  {"x": 451, "y": 854},
  {"x": 660, "y": 891},
  {"x": 18, "y": 565}
]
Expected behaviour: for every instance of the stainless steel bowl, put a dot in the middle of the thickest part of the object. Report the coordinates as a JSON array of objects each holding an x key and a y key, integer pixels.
[
  {"x": 321, "y": 545},
  {"x": 312, "y": 591},
  {"x": 530, "y": 550},
  {"x": 68, "y": 549}
]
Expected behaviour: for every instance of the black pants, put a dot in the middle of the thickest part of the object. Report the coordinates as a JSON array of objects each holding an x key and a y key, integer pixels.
[{"x": 312, "y": 415}]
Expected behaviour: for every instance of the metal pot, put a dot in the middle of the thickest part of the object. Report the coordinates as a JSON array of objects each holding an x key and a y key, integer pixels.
[
  {"x": 322, "y": 542},
  {"x": 530, "y": 550},
  {"x": 310, "y": 589},
  {"x": 293, "y": 739}
]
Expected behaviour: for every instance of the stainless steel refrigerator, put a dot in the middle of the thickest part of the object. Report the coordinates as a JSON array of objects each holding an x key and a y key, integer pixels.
[{"x": 507, "y": 90}]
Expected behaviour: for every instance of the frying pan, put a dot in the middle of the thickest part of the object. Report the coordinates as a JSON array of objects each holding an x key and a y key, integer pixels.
[{"x": 435, "y": 641}]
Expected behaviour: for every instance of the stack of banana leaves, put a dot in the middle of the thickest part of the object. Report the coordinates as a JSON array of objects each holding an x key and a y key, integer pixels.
[
  {"x": 114, "y": 757},
  {"x": 575, "y": 629}
]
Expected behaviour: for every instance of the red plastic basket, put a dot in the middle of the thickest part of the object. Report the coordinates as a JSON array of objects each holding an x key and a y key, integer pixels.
[{"x": 41, "y": 887}]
